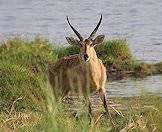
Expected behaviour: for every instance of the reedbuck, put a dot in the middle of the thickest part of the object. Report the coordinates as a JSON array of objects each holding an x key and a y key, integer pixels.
[{"x": 83, "y": 72}]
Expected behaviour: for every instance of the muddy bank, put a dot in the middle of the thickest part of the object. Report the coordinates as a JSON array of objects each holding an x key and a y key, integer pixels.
[
  {"x": 74, "y": 103},
  {"x": 141, "y": 70}
]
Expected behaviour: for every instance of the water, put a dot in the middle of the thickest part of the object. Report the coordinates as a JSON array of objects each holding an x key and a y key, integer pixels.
[
  {"x": 140, "y": 22},
  {"x": 130, "y": 87}
]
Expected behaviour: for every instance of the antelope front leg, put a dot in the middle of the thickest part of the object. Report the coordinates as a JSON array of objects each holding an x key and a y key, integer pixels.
[
  {"x": 103, "y": 98},
  {"x": 88, "y": 103}
]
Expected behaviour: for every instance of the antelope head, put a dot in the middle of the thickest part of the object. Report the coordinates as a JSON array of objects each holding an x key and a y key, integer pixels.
[{"x": 87, "y": 45}]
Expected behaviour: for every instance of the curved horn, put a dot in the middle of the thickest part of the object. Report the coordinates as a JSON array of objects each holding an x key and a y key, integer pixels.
[
  {"x": 96, "y": 28},
  {"x": 75, "y": 31}
]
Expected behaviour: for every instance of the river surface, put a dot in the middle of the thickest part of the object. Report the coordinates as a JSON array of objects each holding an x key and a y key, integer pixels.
[
  {"x": 140, "y": 22},
  {"x": 135, "y": 87}
]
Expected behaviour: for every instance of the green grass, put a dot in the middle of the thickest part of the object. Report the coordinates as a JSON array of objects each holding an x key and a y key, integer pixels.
[
  {"x": 27, "y": 104},
  {"x": 32, "y": 54},
  {"x": 22, "y": 68},
  {"x": 18, "y": 82},
  {"x": 142, "y": 114}
]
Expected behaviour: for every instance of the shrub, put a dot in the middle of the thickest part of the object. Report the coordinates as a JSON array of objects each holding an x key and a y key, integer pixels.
[
  {"x": 17, "y": 82},
  {"x": 111, "y": 51},
  {"x": 22, "y": 68},
  {"x": 32, "y": 54}
]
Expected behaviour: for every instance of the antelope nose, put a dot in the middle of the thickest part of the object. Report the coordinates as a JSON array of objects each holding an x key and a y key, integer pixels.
[{"x": 86, "y": 57}]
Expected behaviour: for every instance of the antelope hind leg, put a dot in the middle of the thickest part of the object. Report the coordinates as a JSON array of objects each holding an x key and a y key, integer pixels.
[{"x": 102, "y": 95}]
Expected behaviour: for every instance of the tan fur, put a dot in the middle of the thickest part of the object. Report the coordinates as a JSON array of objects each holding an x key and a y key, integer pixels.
[
  {"x": 73, "y": 74},
  {"x": 83, "y": 72}
]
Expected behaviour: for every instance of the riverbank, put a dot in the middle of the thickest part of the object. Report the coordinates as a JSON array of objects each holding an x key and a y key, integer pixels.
[
  {"x": 118, "y": 60},
  {"x": 27, "y": 105},
  {"x": 38, "y": 53},
  {"x": 127, "y": 114}
]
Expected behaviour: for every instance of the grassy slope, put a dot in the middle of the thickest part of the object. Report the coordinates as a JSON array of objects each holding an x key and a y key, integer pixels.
[{"x": 26, "y": 103}]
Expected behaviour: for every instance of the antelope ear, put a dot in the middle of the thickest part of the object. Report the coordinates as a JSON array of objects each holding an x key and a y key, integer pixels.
[
  {"x": 73, "y": 41},
  {"x": 98, "y": 40}
]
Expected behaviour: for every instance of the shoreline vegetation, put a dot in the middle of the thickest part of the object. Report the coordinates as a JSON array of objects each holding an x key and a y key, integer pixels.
[
  {"x": 27, "y": 103},
  {"x": 39, "y": 52}
]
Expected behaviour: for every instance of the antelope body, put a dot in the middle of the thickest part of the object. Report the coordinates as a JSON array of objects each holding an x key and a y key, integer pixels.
[{"x": 83, "y": 72}]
